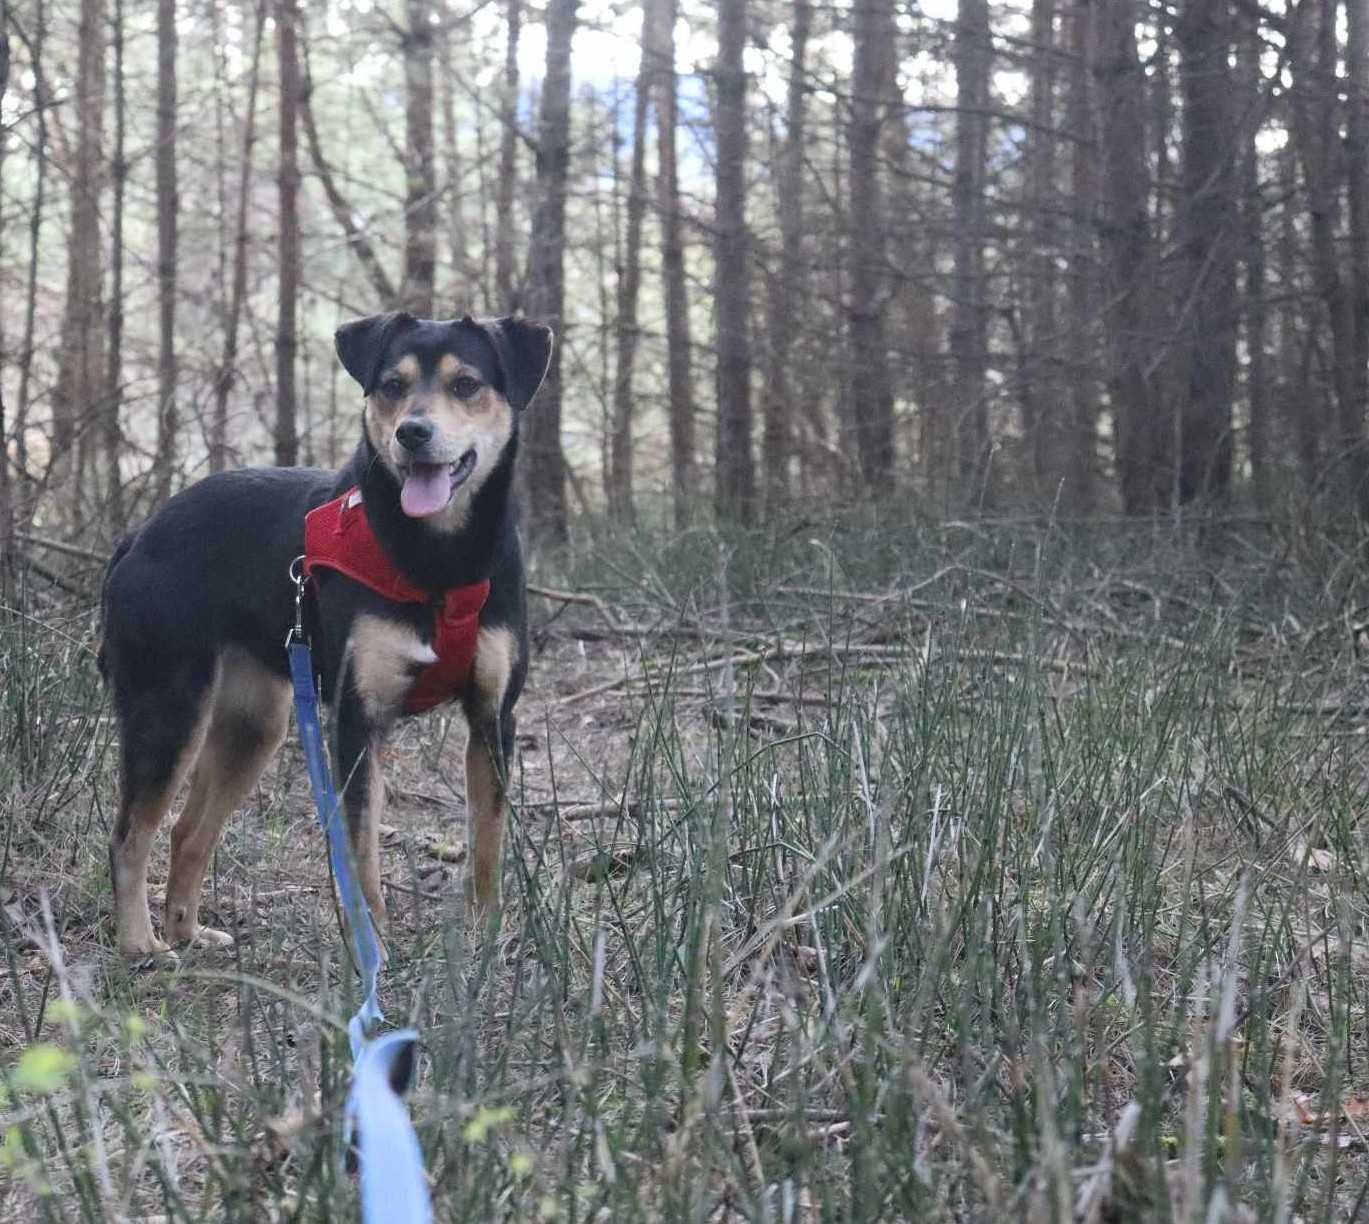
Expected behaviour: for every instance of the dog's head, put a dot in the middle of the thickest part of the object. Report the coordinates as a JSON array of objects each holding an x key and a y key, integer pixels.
[{"x": 443, "y": 399}]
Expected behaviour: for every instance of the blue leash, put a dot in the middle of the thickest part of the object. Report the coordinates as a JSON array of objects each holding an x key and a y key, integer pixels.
[{"x": 393, "y": 1184}]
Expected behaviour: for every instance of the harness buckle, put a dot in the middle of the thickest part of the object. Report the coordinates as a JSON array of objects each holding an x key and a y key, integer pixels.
[{"x": 299, "y": 578}]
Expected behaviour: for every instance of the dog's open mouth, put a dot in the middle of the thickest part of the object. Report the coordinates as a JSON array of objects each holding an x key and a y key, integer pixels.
[{"x": 429, "y": 487}]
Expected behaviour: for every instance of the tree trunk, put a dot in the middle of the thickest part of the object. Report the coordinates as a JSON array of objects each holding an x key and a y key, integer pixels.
[
  {"x": 463, "y": 294},
  {"x": 1303, "y": 409},
  {"x": 6, "y": 496},
  {"x": 168, "y": 207},
  {"x": 1316, "y": 128},
  {"x": 1144, "y": 438},
  {"x": 114, "y": 366},
  {"x": 286, "y": 437},
  {"x": 969, "y": 319},
  {"x": 545, "y": 470},
  {"x": 1042, "y": 393},
  {"x": 1080, "y": 491},
  {"x": 1357, "y": 199},
  {"x": 1253, "y": 257},
  {"x": 679, "y": 345},
  {"x": 506, "y": 184},
  {"x": 420, "y": 195},
  {"x": 629, "y": 280},
  {"x": 81, "y": 365},
  {"x": 36, "y": 212},
  {"x": 1207, "y": 230},
  {"x": 871, "y": 394},
  {"x": 788, "y": 285},
  {"x": 228, "y": 363},
  {"x": 735, "y": 493}
]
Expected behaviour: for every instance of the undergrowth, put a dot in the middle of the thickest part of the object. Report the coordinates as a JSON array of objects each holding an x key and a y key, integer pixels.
[{"x": 864, "y": 872}]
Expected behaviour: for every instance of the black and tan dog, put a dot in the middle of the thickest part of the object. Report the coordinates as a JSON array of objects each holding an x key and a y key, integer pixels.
[{"x": 419, "y": 596}]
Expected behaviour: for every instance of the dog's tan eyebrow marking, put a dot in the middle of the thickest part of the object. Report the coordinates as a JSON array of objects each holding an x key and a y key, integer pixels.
[
  {"x": 449, "y": 367},
  {"x": 406, "y": 368}
]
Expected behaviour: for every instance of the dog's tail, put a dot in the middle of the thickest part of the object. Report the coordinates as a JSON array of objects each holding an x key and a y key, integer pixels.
[{"x": 101, "y": 659}]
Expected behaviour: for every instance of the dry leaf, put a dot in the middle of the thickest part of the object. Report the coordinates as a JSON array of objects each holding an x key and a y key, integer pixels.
[
  {"x": 446, "y": 852},
  {"x": 1318, "y": 858}
]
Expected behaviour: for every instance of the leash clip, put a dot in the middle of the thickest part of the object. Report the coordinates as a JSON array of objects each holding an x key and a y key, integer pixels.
[{"x": 299, "y": 578}]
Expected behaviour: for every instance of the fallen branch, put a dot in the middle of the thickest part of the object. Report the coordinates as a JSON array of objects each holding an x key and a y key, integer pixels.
[
  {"x": 61, "y": 546},
  {"x": 580, "y": 597}
]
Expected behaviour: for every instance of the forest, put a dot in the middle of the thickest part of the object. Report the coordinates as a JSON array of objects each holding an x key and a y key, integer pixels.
[
  {"x": 940, "y": 789},
  {"x": 1078, "y": 258}
]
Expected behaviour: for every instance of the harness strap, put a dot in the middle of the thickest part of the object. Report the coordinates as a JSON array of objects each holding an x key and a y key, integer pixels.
[{"x": 338, "y": 536}]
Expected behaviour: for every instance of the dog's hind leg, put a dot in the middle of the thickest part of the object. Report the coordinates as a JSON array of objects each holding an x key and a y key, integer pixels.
[
  {"x": 248, "y": 721},
  {"x": 162, "y": 730}
]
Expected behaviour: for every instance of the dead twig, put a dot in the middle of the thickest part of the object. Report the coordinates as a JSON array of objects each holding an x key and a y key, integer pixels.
[{"x": 578, "y": 597}]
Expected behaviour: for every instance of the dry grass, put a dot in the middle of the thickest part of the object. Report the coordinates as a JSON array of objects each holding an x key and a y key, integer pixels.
[{"x": 891, "y": 874}]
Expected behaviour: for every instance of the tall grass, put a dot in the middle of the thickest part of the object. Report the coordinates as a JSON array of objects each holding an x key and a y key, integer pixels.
[{"x": 1016, "y": 874}]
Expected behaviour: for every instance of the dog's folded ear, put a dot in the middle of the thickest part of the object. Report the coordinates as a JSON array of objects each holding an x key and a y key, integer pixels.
[
  {"x": 361, "y": 344},
  {"x": 524, "y": 350}
]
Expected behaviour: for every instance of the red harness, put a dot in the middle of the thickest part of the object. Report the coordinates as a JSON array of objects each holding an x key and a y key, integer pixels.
[{"x": 337, "y": 536}]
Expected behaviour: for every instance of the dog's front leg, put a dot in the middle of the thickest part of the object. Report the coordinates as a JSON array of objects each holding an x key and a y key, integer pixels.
[
  {"x": 486, "y": 767},
  {"x": 489, "y": 714},
  {"x": 363, "y": 796}
]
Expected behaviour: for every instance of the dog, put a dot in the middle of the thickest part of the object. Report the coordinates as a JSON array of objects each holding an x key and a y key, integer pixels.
[{"x": 414, "y": 537}]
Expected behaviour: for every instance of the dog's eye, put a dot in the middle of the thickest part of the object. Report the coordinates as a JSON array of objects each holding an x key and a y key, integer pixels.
[
  {"x": 465, "y": 387},
  {"x": 393, "y": 387}
]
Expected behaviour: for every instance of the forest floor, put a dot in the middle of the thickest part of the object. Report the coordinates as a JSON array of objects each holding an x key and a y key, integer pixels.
[{"x": 871, "y": 872}]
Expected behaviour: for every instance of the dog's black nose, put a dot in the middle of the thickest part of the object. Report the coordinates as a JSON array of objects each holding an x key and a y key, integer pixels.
[{"x": 414, "y": 434}]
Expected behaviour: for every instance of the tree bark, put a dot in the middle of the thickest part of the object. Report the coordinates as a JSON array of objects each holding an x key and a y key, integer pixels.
[
  {"x": 1352, "y": 439},
  {"x": 36, "y": 213},
  {"x": 871, "y": 393},
  {"x": 114, "y": 365},
  {"x": 1042, "y": 390},
  {"x": 1144, "y": 437},
  {"x": 228, "y": 362},
  {"x": 969, "y": 318},
  {"x": 735, "y": 493},
  {"x": 1080, "y": 491},
  {"x": 545, "y": 469},
  {"x": 286, "y": 436},
  {"x": 168, "y": 206},
  {"x": 81, "y": 365},
  {"x": 1303, "y": 410},
  {"x": 1207, "y": 229},
  {"x": 463, "y": 294},
  {"x": 507, "y": 181},
  {"x": 1253, "y": 257},
  {"x": 679, "y": 343},
  {"x": 629, "y": 281},
  {"x": 6, "y": 496},
  {"x": 788, "y": 285},
  {"x": 1316, "y": 128},
  {"x": 420, "y": 194}
]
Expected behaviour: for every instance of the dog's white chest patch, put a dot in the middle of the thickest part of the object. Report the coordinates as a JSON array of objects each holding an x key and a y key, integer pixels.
[{"x": 385, "y": 658}]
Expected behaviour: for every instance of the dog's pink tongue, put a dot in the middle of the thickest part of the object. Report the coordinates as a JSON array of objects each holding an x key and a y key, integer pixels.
[{"x": 426, "y": 489}]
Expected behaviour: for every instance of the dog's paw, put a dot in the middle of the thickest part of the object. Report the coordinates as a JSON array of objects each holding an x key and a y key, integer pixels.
[{"x": 151, "y": 953}]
